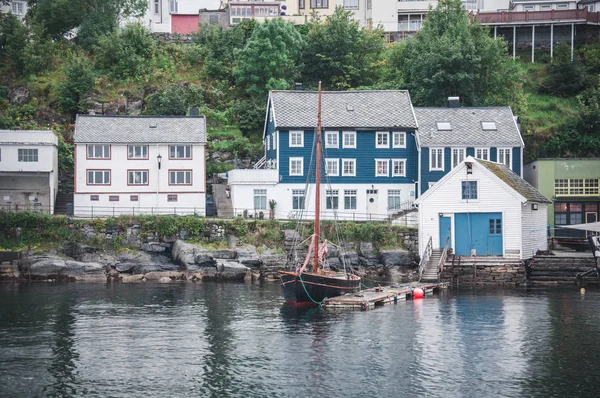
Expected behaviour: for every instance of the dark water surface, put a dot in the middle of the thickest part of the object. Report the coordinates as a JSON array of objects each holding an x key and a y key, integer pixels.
[{"x": 229, "y": 340}]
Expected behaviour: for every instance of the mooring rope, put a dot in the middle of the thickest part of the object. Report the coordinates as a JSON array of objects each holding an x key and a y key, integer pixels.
[{"x": 320, "y": 303}]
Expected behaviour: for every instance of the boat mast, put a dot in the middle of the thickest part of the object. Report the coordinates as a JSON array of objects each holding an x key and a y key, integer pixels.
[{"x": 318, "y": 184}]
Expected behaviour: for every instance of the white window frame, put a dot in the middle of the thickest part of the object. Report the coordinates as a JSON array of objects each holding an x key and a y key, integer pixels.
[
  {"x": 396, "y": 194},
  {"x": 173, "y": 6},
  {"x": 503, "y": 160},
  {"x": 545, "y": 7},
  {"x": 131, "y": 149},
  {"x": 529, "y": 7},
  {"x": 336, "y": 172},
  {"x": 301, "y": 172},
  {"x": 383, "y": 173},
  {"x": 28, "y": 155},
  {"x": 275, "y": 140},
  {"x": 187, "y": 176},
  {"x": 456, "y": 159},
  {"x": 562, "y": 6},
  {"x": 480, "y": 155},
  {"x": 296, "y": 144},
  {"x": 476, "y": 191},
  {"x": 186, "y": 154},
  {"x": 351, "y": 193},
  {"x": 268, "y": 143},
  {"x": 131, "y": 174},
  {"x": 399, "y": 134},
  {"x": 298, "y": 198},
  {"x": 260, "y": 193},
  {"x": 18, "y": 8},
  {"x": 103, "y": 149},
  {"x": 385, "y": 134},
  {"x": 349, "y": 134},
  {"x": 329, "y": 202},
  {"x": 156, "y": 6},
  {"x": 331, "y": 134},
  {"x": 353, "y": 174},
  {"x": 394, "y": 161},
  {"x": 104, "y": 174},
  {"x": 438, "y": 167}
]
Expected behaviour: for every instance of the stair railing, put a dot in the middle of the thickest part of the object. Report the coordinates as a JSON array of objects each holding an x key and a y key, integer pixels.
[
  {"x": 261, "y": 162},
  {"x": 443, "y": 258},
  {"x": 425, "y": 257}
]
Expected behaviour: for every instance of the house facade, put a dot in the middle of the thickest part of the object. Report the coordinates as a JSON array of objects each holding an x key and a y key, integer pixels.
[
  {"x": 448, "y": 135},
  {"x": 28, "y": 170},
  {"x": 483, "y": 208},
  {"x": 139, "y": 165},
  {"x": 369, "y": 165},
  {"x": 16, "y": 7},
  {"x": 174, "y": 16},
  {"x": 573, "y": 185}
]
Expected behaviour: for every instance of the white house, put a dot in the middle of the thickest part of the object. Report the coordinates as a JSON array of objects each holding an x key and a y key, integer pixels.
[
  {"x": 139, "y": 165},
  {"x": 28, "y": 170},
  {"x": 16, "y": 7},
  {"x": 158, "y": 16},
  {"x": 484, "y": 208}
]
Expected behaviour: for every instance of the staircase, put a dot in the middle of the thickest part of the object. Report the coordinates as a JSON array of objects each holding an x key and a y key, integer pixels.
[
  {"x": 222, "y": 201},
  {"x": 62, "y": 199},
  {"x": 430, "y": 274}
]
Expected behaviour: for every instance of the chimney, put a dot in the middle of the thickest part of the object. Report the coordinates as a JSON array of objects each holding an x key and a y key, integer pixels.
[
  {"x": 453, "y": 102},
  {"x": 194, "y": 112},
  {"x": 298, "y": 87}
]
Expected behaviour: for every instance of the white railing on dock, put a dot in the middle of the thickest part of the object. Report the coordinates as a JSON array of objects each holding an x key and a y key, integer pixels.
[
  {"x": 425, "y": 257},
  {"x": 443, "y": 258}
]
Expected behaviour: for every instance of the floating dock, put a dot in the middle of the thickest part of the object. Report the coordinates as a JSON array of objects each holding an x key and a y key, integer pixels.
[{"x": 375, "y": 297}]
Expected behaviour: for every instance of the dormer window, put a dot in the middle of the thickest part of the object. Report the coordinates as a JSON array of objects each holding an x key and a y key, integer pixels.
[
  {"x": 488, "y": 126},
  {"x": 444, "y": 126}
]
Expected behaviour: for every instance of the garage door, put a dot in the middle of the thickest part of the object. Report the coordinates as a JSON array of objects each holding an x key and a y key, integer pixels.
[{"x": 480, "y": 231}]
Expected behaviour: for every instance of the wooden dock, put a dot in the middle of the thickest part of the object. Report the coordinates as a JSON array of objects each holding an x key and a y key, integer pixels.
[{"x": 375, "y": 297}]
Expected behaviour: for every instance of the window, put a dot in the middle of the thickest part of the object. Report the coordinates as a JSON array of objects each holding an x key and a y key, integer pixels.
[
  {"x": 260, "y": 199},
  {"x": 171, "y": 198},
  {"x": 575, "y": 207},
  {"x": 137, "y": 151},
  {"x": 575, "y": 218},
  {"x": 173, "y": 6},
  {"x": 590, "y": 186},
  {"x": 180, "y": 177},
  {"x": 562, "y": 6},
  {"x": 458, "y": 155},
  {"x": 297, "y": 199},
  {"x": 495, "y": 226},
  {"x": 382, "y": 140},
  {"x": 18, "y": 8},
  {"x": 296, "y": 139},
  {"x": 331, "y": 201},
  {"x": 133, "y": 198},
  {"x": 331, "y": 139},
  {"x": 180, "y": 151},
  {"x": 349, "y": 167},
  {"x": 98, "y": 151},
  {"x": 213, "y": 19},
  {"x": 268, "y": 143},
  {"x": 590, "y": 8},
  {"x": 444, "y": 126},
  {"x": 28, "y": 155},
  {"x": 113, "y": 198},
  {"x": 351, "y": 4},
  {"x": 296, "y": 166},
  {"x": 94, "y": 198},
  {"x": 381, "y": 167},
  {"x": 488, "y": 126},
  {"x": 529, "y": 7},
  {"x": 560, "y": 207},
  {"x": 156, "y": 6},
  {"x": 137, "y": 177},
  {"x": 98, "y": 177},
  {"x": 575, "y": 187},
  {"x": 561, "y": 186},
  {"x": 349, "y": 139},
  {"x": 436, "y": 159},
  {"x": 399, "y": 139},
  {"x": 350, "y": 199},
  {"x": 393, "y": 199},
  {"x": 469, "y": 190},
  {"x": 319, "y": 3},
  {"x": 482, "y": 153},
  {"x": 301, "y": 4},
  {"x": 332, "y": 167},
  {"x": 504, "y": 156},
  {"x": 399, "y": 167},
  {"x": 369, "y": 4},
  {"x": 560, "y": 218}
]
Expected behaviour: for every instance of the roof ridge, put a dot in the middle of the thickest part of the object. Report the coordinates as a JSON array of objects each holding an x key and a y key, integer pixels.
[{"x": 142, "y": 116}]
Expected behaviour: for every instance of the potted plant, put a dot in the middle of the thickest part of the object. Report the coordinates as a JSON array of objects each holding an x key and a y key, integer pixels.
[{"x": 272, "y": 205}]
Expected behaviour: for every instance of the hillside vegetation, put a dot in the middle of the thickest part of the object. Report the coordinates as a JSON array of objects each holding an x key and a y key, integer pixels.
[{"x": 47, "y": 76}]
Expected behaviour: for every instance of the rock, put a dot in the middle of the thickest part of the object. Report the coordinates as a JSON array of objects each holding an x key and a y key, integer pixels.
[
  {"x": 132, "y": 278},
  {"x": 165, "y": 279},
  {"x": 365, "y": 248},
  {"x": 75, "y": 249},
  {"x": 224, "y": 254},
  {"x": 19, "y": 95},
  {"x": 231, "y": 271},
  {"x": 183, "y": 254},
  {"x": 248, "y": 257},
  {"x": 145, "y": 268},
  {"x": 395, "y": 257},
  {"x": 232, "y": 241},
  {"x": 58, "y": 268},
  {"x": 203, "y": 260},
  {"x": 171, "y": 275}
]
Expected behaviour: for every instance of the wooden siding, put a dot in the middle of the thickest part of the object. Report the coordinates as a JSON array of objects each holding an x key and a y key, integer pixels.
[
  {"x": 534, "y": 233},
  {"x": 365, "y": 155}
]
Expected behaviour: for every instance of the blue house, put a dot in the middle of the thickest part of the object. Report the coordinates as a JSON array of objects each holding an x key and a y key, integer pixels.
[
  {"x": 448, "y": 135},
  {"x": 369, "y": 165}
]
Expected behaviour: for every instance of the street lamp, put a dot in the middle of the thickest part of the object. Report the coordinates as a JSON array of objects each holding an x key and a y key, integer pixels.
[{"x": 159, "y": 159}]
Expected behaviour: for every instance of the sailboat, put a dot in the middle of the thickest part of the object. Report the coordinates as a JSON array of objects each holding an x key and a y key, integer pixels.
[{"x": 308, "y": 288}]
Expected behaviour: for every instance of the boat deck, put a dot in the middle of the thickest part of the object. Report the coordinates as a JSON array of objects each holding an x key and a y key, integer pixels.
[{"x": 376, "y": 297}]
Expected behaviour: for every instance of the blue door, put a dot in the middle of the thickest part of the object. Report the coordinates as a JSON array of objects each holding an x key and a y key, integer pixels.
[
  {"x": 480, "y": 231},
  {"x": 444, "y": 231}
]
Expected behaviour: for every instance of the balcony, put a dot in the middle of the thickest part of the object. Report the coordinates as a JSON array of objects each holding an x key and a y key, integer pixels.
[
  {"x": 253, "y": 176},
  {"x": 411, "y": 26},
  {"x": 533, "y": 17}
]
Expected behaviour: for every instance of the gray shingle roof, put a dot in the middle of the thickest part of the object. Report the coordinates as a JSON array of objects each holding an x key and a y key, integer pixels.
[
  {"x": 466, "y": 127},
  {"x": 515, "y": 181},
  {"x": 344, "y": 109},
  {"x": 136, "y": 129}
]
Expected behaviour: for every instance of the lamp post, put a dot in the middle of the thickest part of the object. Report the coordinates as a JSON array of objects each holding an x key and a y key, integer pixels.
[{"x": 159, "y": 161}]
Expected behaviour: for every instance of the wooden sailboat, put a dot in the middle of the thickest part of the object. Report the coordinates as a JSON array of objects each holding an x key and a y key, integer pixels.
[{"x": 304, "y": 288}]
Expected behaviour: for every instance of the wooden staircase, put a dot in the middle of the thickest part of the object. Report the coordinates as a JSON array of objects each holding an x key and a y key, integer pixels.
[
  {"x": 430, "y": 273},
  {"x": 62, "y": 200}
]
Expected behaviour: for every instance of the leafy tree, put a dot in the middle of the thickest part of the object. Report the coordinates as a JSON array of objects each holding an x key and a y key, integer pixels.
[
  {"x": 74, "y": 89},
  {"x": 565, "y": 78},
  {"x": 126, "y": 54},
  {"x": 271, "y": 58},
  {"x": 340, "y": 53},
  {"x": 14, "y": 38},
  {"x": 451, "y": 56},
  {"x": 170, "y": 101}
]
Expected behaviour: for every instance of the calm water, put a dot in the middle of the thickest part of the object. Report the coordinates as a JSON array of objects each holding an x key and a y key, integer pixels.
[{"x": 231, "y": 340}]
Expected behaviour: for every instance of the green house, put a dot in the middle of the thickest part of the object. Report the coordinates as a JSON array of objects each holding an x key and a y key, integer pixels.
[{"x": 573, "y": 185}]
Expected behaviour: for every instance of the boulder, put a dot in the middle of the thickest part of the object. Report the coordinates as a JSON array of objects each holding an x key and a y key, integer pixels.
[
  {"x": 58, "y": 268},
  {"x": 132, "y": 278},
  {"x": 231, "y": 271},
  {"x": 171, "y": 275},
  {"x": 225, "y": 254},
  {"x": 19, "y": 95},
  {"x": 247, "y": 256},
  {"x": 395, "y": 257},
  {"x": 184, "y": 254}
]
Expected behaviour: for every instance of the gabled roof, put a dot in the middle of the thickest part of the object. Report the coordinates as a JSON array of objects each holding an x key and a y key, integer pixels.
[
  {"x": 137, "y": 129},
  {"x": 514, "y": 181},
  {"x": 466, "y": 127},
  {"x": 376, "y": 109}
]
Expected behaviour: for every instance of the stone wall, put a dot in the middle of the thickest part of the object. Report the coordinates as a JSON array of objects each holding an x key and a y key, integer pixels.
[{"x": 481, "y": 272}]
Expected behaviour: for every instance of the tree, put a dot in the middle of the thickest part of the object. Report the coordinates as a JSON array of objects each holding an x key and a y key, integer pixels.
[
  {"x": 14, "y": 37},
  {"x": 271, "y": 58},
  {"x": 565, "y": 78},
  {"x": 451, "y": 56},
  {"x": 170, "y": 101},
  {"x": 75, "y": 88},
  {"x": 340, "y": 53}
]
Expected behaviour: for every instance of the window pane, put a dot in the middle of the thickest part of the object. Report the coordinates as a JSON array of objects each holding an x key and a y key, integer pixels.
[{"x": 498, "y": 227}]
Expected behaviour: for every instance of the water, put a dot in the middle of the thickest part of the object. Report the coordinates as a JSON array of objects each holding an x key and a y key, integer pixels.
[{"x": 230, "y": 340}]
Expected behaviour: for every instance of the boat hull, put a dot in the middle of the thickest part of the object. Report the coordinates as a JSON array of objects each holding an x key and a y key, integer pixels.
[{"x": 308, "y": 290}]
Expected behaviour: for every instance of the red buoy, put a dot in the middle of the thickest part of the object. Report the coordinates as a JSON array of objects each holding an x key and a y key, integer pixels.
[{"x": 418, "y": 293}]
